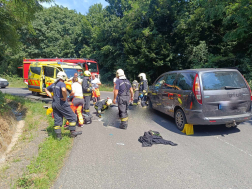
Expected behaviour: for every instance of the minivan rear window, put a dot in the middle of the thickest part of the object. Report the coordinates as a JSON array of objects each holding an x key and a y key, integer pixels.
[{"x": 220, "y": 79}]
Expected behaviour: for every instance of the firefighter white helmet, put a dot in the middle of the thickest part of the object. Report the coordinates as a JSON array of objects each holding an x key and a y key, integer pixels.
[
  {"x": 109, "y": 102},
  {"x": 119, "y": 73},
  {"x": 87, "y": 73},
  {"x": 142, "y": 76},
  {"x": 61, "y": 75}
]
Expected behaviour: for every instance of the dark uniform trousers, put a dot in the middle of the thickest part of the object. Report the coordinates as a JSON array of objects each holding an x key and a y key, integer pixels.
[
  {"x": 123, "y": 103},
  {"x": 60, "y": 109},
  {"x": 87, "y": 93},
  {"x": 135, "y": 86},
  {"x": 143, "y": 90}
]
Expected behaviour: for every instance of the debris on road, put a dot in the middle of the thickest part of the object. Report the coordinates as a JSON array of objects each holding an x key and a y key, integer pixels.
[
  {"x": 120, "y": 144},
  {"x": 153, "y": 137}
]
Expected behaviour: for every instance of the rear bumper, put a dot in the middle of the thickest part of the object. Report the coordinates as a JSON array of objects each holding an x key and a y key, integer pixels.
[{"x": 196, "y": 117}]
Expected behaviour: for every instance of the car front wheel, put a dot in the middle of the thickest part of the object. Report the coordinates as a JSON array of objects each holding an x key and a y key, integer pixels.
[
  {"x": 180, "y": 119},
  {"x": 149, "y": 103}
]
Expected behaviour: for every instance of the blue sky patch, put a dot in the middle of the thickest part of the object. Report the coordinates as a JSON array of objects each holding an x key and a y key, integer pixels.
[{"x": 81, "y": 6}]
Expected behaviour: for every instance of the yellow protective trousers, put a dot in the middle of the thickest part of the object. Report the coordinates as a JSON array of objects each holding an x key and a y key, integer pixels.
[{"x": 77, "y": 106}]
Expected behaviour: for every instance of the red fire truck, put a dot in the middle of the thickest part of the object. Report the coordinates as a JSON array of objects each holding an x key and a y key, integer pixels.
[{"x": 88, "y": 64}]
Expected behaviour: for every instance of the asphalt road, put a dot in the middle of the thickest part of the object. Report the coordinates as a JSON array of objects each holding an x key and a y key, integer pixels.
[{"x": 105, "y": 156}]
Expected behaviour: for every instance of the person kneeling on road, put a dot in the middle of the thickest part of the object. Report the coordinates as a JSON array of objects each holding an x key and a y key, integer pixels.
[
  {"x": 61, "y": 107},
  {"x": 123, "y": 89},
  {"x": 102, "y": 105}
]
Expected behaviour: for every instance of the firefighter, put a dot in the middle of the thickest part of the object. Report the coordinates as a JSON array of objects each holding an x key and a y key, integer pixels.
[
  {"x": 143, "y": 88},
  {"x": 135, "y": 86},
  {"x": 87, "y": 91},
  {"x": 102, "y": 105},
  {"x": 61, "y": 107},
  {"x": 123, "y": 89}
]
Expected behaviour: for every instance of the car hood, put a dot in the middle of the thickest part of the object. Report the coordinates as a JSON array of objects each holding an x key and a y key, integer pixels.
[{"x": 1, "y": 79}]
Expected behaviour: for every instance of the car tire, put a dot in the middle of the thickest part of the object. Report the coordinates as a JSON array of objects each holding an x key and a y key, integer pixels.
[
  {"x": 150, "y": 104},
  {"x": 180, "y": 119},
  {"x": 35, "y": 93},
  {"x": 2, "y": 87}
]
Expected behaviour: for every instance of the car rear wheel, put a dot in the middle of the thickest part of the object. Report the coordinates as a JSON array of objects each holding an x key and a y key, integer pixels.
[
  {"x": 180, "y": 119},
  {"x": 2, "y": 87}
]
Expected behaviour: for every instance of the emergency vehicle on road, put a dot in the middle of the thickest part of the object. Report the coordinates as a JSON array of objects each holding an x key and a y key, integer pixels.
[
  {"x": 88, "y": 64},
  {"x": 43, "y": 74}
]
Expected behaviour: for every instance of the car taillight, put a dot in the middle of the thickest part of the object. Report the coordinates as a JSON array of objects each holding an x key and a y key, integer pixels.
[
  {"x": 196, "y": 89},
  {"x": 248, "y": 87}
]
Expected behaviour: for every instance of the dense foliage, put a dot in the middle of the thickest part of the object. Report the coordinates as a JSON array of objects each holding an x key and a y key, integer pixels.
[{"x": 151, "y": 36}]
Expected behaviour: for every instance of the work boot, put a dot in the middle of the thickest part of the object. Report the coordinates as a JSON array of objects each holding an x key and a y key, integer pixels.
[
  {"x": 59, "y": 136},
  {"x": 124, "y": 125},
  {"x": 75, "y": 133}
]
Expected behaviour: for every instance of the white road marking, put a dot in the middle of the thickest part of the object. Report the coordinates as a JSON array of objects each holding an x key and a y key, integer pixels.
[{"x": 234, "y": 146}]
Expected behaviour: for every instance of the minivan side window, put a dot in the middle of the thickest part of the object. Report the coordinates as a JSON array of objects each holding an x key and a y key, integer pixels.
[
  {"x": 169, "y": 82},
  {"x": 35, "y": 70},
  {"x": 159, "y": 82},
  {"x": 185, "y": 81},
  {"x": 57, "y": 71},
  {"x": 49, "y": 72}
]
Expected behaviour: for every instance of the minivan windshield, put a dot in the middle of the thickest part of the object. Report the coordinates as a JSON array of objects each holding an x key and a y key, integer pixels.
[
  {"x": 222, "y": 80},
  {"x": 71, "y": 71}
]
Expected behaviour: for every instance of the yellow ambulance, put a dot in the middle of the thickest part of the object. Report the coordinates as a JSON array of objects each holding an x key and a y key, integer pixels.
[{"x": 43, "y": 74}]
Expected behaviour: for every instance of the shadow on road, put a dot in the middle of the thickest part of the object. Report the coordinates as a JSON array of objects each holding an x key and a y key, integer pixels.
[
  {"x": 199, "y": 130},
  {"x": 110, "y": 118}
]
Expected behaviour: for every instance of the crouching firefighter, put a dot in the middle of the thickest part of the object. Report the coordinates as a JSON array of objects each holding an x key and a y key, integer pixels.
[
  {"x": 61, "y": 107},
  {"x": 123, "y": 89},
  {"x": 87, "y": 91},
  {"x": 102, "y": 105},
  {"x": 135, "y": 86},
  {"x": 143, "y": 88}
]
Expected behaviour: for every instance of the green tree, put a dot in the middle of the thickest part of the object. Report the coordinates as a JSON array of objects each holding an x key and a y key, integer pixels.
[{"x": 13, "y": 15}]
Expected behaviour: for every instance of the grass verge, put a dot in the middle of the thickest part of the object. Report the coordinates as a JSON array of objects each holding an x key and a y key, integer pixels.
[
  {"x": 14, "y": 81},
  {"x": 43, "y": 168}
]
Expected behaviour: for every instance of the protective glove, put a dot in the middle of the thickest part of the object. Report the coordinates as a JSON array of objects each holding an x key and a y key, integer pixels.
[{"x": 141, "y": 95}]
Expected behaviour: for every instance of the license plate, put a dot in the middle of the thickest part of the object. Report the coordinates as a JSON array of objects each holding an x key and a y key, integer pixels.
[{"x": 220, "y": 107}]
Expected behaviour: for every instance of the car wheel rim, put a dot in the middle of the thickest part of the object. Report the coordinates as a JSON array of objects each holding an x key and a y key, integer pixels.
[{"x": 180, "y": 120}]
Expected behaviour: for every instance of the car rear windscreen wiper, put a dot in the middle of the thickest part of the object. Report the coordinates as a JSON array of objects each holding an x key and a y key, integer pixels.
[{"x": 230, "y": 87}]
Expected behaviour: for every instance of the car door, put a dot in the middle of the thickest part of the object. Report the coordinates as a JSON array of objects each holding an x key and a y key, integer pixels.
[
  {"x": 183, "y": 94},
  {"x": 34, "y": 79},
  {"x": 155, "y": 92},
  {"x": 49, "y": 75},
  {"x": 167, "y": 94}
]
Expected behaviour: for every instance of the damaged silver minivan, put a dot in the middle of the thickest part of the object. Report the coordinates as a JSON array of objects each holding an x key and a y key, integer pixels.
[{"x": 202, "y": 97}]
